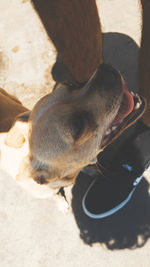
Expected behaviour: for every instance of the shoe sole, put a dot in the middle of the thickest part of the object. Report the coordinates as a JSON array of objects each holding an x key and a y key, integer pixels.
[{"x": 115, "y": 209}]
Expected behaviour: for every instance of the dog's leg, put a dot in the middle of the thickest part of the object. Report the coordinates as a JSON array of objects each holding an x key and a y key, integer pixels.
[
  {"x": 144, "y": 60},
  {"x": 74, "y": 28}
]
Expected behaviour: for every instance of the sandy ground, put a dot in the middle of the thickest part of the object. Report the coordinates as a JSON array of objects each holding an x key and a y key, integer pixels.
[{"x": 33, "y": 233}]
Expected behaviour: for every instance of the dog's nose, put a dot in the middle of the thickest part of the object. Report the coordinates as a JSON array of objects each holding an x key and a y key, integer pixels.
[{"x": 106, "y": 77}]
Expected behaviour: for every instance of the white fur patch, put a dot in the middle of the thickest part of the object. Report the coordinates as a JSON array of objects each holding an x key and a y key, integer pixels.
[
  {"x": 10, "y": 162},
  {"x": 10, "y": 159}
]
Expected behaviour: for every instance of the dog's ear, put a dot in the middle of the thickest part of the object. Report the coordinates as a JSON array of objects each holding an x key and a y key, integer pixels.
[
  {"x": 18, "y": 132},
  {"x": 83, "y": 126}
]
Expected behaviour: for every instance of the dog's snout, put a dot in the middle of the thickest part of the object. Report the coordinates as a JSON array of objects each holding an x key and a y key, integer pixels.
[{"x": 107, "y": 77}]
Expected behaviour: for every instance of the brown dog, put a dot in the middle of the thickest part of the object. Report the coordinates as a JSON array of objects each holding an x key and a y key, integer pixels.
[{"x": 68, "y": 128}]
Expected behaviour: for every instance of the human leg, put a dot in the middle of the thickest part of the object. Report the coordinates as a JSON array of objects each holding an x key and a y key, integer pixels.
[{"x": 74, "y": 28}]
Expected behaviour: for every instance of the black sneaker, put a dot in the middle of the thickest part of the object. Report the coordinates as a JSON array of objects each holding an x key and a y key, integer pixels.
[
  {"x": 108, "y": 193},
  {"x": 112, "y": 189}
]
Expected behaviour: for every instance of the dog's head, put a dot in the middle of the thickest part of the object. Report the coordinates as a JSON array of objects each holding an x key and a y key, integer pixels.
[{"x": 68, "y": 128}]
